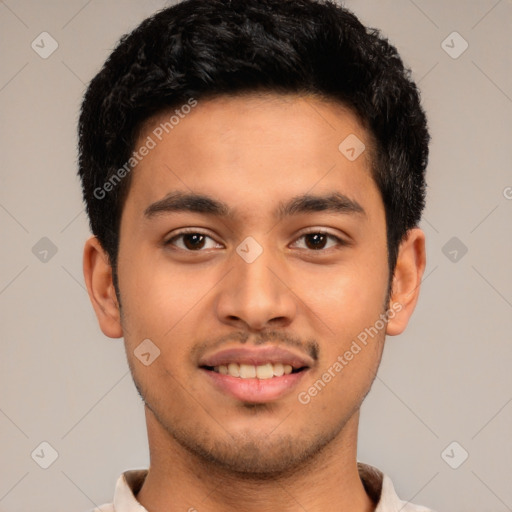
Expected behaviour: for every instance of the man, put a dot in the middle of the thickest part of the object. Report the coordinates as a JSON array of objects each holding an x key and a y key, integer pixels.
[{"x": 254, "y": 176}]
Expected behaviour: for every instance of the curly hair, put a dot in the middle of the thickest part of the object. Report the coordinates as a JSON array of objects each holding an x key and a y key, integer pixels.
[{"x": 204, "y": 49}]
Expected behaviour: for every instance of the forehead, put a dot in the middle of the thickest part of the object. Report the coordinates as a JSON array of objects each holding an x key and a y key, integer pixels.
[
  {"x": 243, "y": 146},
  {"x": 312, "y": 123}
]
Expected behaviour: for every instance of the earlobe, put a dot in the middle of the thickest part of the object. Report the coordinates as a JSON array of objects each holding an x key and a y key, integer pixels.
[
  {"x": 409, "y": 270},
  {"x": 100, "y": 286}
]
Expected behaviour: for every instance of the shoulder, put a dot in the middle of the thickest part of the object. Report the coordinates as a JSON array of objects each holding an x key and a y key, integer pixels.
[
  {"x": 391, "y": 502},
  {"x": 380, "y": 489}
]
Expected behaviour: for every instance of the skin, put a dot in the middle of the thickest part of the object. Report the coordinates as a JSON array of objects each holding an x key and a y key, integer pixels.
[{"x": 208, "y": 450}]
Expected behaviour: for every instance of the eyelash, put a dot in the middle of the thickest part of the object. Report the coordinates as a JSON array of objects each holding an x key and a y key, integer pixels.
[{"x": 339, "y": 241}]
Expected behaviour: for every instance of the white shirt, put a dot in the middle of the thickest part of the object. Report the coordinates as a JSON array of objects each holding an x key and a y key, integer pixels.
[{"x": 378, "y": 486}]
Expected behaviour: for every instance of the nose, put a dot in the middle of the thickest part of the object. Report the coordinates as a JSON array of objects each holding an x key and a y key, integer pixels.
[{"x": 256, "y": 296}]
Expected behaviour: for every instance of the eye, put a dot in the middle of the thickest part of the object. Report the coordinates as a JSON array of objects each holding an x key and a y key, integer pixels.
[
  {"x": 192, "y": 241},
  {"x": 318, "y": 240},
  {"x": 195, "y": 241}
]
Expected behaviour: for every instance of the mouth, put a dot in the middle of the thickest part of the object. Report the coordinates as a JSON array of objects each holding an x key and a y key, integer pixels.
[
  {"x": 255, "y": 374},
  {"x": 249, "y": 371}
]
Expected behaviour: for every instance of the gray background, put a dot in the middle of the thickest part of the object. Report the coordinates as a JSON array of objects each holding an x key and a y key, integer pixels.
[{"x": 446, "y": 379}]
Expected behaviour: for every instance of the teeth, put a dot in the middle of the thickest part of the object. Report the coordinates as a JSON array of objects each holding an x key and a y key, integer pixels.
[
  {"x": 264, "y": 372},
  {"x": 278, "y": 370},
  {"x": 249, "y": 371},
  {"x": 234, "y": 369}
]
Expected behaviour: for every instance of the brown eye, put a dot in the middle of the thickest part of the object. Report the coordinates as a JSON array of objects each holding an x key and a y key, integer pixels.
[
  {"x": 192, "y": 241},
  {"x": 318, "y": 240},
  {"x": 315, "y": 240}
]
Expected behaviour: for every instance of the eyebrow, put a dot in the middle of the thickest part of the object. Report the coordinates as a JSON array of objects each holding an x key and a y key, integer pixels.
[{"x": 306, "y": 203}]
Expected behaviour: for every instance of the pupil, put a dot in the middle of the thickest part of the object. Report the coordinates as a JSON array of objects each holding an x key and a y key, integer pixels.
[
  {"x": 317, "y": 239},
  {"x": 197, "y": 241}
]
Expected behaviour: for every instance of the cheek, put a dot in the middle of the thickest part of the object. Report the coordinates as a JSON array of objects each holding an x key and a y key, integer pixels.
[
  {"x": 348, "y": 297},
  {"x": 352, "y": 335},
  {"x": 155, "y": 295}
]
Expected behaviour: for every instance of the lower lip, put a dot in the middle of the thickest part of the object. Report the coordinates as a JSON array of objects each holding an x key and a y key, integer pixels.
[{"x": 255, "y": 390}]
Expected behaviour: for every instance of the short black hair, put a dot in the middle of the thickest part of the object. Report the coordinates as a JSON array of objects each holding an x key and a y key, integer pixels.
[{"x": 203, "y": 49}]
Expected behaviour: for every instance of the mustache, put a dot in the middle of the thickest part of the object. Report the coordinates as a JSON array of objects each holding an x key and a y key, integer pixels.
[{"x": 309, "y": 346}]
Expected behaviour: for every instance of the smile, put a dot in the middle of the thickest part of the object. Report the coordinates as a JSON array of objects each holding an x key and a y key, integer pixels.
[
  {"x": 255, "y": 374},
  {"x": 249, "y": 371}
]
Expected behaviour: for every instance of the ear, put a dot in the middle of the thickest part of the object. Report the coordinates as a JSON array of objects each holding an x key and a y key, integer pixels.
[
  {"x": 406, "y": 282},
  {"x": 98, "y": 278}
]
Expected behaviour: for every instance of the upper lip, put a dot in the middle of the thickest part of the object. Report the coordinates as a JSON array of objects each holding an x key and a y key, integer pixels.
[{"x": 257, "y": 356}]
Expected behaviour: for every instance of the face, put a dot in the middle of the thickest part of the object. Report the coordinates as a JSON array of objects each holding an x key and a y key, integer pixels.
[{"x": 252, "y": 247}]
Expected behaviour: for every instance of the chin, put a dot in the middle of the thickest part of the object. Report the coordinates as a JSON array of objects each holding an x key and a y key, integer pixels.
[{"x": 262, "y": 457}]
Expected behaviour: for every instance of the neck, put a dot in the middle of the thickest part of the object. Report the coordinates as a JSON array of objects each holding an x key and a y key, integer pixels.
[{"x": 181, "y": 481}]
